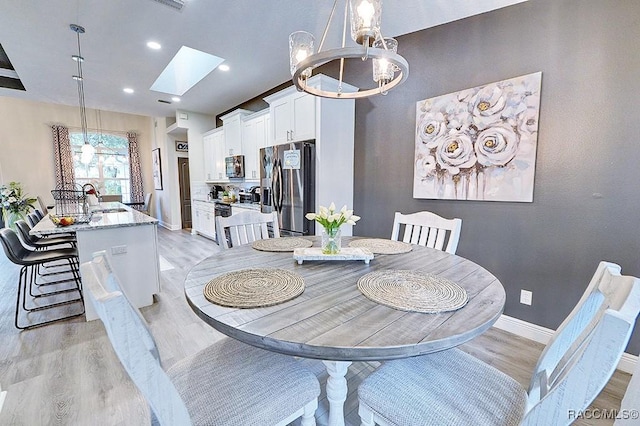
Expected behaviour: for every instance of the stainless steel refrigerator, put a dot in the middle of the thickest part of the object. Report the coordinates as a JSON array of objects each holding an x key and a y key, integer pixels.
[{"x": 287, "y": 180}]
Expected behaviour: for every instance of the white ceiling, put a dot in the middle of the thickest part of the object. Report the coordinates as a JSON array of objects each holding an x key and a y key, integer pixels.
[{"x": 252, "y": 35}]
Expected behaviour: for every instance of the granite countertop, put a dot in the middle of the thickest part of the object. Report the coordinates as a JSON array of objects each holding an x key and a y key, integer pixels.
[
  {"x": 253, "y": 206},
  {"x": 104, "y": 215}
]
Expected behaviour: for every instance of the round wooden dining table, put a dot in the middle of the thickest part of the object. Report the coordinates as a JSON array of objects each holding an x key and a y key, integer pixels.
[{"x": 334, "y": 322}]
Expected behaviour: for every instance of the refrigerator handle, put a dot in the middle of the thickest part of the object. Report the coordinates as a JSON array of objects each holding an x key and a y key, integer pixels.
[
  {"x": 276, "y": 186},
  {"x": 274, "y": 201},
  {"x": 280, "y": 191}
]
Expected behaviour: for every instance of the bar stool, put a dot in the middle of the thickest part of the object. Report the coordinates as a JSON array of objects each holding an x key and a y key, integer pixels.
[
  {"x": 38, "y": 243},
  {"x": 33, "y": 219},
  {"x": 29, "y": 261}
]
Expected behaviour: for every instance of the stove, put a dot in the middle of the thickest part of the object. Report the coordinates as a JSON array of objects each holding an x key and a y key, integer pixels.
[{"x": 222, "y": 209}]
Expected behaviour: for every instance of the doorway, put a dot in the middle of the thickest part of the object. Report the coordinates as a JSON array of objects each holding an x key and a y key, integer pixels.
[{"x": 185, "y": 192}]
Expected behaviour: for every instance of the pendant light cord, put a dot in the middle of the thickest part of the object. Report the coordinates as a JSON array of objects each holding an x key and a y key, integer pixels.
[{"x": 83, "y": 112}]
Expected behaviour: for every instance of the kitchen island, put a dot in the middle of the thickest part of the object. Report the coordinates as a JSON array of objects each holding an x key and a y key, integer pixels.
[{"x": 130, "y": 239}]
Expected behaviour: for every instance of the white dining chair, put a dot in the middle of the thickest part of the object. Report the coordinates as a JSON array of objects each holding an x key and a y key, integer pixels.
[
  {"x": 228, "y": 383},
  {"x": 427, "y": 229},
  {"x": 454, "y": 388},
  {"x": 246, "y": 227},
  {"x": 630, "y": 405}
]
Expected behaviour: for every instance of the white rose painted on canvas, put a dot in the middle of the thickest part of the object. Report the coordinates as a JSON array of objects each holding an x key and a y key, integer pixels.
[{"x": 480, "y": 143}]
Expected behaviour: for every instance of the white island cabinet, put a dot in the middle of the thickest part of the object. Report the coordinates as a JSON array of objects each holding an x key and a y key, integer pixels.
[{"x": 129, "y": 238}]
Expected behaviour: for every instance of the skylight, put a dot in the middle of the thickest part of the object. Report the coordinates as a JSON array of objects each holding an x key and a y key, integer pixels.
[{"x": 185, "y": 70}]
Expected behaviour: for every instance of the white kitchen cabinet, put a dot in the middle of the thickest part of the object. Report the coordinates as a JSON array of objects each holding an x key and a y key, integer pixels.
[
  {"x": 204, "y": 218},
  {"x": 268, "y": 137},
  {"x": 293, "y": 116},
  {"x": 332, "y": 127},
  {"x": 254, "y": 137},
  {"x": 232, "y": 124},
  {"x": 219, "y": 170},
  {"x": 208, "y": 140},
  {"x": 213, "y": 144}
]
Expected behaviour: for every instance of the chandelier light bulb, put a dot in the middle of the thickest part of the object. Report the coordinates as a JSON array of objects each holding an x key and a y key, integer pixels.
[
  {"x": 365, "y": 20},
  {"x": 383, "y": 70},
  {"x": 301, "y": 55},
  {"x": 366, "y": 11},
  {"x": 301, "y": 45}
]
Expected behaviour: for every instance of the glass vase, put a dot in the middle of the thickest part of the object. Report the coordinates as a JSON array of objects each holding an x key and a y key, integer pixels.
[
  {"x": 331, "y": 241},
  {"x": 10, "y": 218}
]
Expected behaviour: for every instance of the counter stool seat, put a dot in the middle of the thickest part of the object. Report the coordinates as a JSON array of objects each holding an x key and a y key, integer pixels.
[
  {"x": 39, "y": 242},
  {"x": 29, "y": 261}
]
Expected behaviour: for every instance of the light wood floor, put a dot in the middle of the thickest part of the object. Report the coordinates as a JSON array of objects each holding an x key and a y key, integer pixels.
[{"x": 67, "y": 374}]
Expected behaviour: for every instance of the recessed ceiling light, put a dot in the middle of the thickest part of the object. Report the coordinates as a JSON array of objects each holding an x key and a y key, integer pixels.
[
  {"x": 127, "y": 90},
  {"x": 175, "y": 99},
  {"x": 154, "y": 45},
  {"x": 224, "y": 67}
]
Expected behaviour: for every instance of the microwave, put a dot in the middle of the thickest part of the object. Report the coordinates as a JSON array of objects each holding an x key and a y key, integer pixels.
[{"x": 234, "y": 166}]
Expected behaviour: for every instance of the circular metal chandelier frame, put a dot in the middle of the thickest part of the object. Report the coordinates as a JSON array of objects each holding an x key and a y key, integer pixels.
[{"x": 357, "y": 52}]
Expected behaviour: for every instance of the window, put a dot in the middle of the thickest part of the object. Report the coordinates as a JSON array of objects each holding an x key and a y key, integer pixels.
[{"x": 109, "y": 168}]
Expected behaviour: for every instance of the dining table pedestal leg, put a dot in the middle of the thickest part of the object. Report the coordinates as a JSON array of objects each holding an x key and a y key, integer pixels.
[{"x": 336, "y": 390}]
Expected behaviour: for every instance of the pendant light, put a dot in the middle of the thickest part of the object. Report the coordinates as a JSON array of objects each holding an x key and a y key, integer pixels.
[
  {"x": 88, "y": 150},
  {"x": 389, "y": 68}
]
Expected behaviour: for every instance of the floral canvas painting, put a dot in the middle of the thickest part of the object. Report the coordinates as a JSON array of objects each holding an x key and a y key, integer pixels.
[{"x": 480, "y": 143}]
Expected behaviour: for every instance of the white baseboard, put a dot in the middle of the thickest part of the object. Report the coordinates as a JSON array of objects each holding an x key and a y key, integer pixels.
[
  {"x": 543, "y": 335},
  {"x": 169, "y": 226}
]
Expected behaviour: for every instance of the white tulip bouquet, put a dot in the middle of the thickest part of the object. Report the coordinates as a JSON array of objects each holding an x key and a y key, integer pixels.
[{"x": 331, "y": 222}]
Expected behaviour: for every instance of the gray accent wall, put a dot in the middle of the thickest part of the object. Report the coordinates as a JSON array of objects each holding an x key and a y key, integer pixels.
[{"x": 586, "y": 204}]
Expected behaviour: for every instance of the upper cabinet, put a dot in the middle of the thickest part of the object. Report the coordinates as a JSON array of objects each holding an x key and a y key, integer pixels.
[
  {"x": 214, "y": 148},
  {"x": 209, "y": 161},
  {"x": 293, "y": 116},
  {"x": 254, "y": 136},
  {"x": 232, "y": 124}
]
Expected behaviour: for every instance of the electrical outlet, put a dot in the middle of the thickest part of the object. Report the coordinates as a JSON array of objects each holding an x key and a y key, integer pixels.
[
  {"x": 118, "y": 249},
  {"x": 526, "y": 297}
]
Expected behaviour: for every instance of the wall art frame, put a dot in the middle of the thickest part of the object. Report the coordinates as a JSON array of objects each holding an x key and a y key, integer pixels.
[
  {"x": 157, "y": 168},
  {"x": 479, "y": 143}
]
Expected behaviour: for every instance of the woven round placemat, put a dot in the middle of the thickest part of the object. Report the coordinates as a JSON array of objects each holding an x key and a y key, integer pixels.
[
  {"x": 281, "y": 244},
  {"x": 413, "y": 291},
  {"x": 254, "y": 288},
  {"x": 381, "y": 246}
]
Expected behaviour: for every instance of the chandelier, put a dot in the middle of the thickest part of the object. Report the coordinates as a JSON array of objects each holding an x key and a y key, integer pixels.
[
  {"x": 87, "y": 149},
  {"x": 388, "y": 68}
]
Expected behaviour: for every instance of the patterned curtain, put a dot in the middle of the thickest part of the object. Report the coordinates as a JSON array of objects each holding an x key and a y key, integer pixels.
[
  {"x": 135, "y": 170},
  {"x": 65, "y": 176}
]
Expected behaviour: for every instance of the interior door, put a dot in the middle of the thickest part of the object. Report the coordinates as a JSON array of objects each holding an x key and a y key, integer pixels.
[{"x": 185, "y": 192}]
